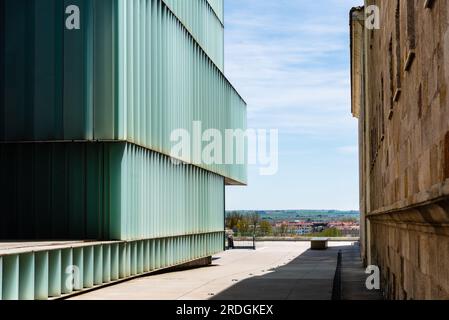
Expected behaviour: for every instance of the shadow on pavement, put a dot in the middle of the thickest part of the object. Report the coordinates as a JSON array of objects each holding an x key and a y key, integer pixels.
[{"x": 308, "y": 277}]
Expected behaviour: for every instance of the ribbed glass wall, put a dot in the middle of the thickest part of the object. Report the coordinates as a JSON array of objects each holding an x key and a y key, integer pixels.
[
  {"x": 200, "y": 19},
  {"x": 86, "y": 117},
  {"x": 168, "y": 199},
  {"x": 218, "y": 7},
  {"x": 64, "y": 269},
  {"x": 187, "y": 84},
  {"x": 132, "y": 72},
  {"x": 110, "y": 191}
]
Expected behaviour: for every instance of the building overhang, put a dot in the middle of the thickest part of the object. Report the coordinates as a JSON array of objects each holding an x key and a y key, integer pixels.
[{"x": 232, "y": 182}]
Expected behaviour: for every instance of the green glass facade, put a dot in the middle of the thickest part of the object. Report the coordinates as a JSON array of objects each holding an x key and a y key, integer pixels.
[
  {"x": 43, "y": 272},
  {"x": 218, "y": 7},
  {"x": 104, "y": 191},
  {"x": 201, "y": 19},
  {"x": 85, "y": 122},
  {"x": 133, "y": 72}
]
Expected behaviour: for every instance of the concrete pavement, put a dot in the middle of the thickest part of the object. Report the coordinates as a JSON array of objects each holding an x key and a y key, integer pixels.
[
  {"x": 353, "y": 277},
  {"x": 275, "y": 271}
]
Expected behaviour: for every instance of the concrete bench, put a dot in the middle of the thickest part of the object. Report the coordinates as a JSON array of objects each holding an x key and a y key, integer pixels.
[{"x": 319, "y": 243}]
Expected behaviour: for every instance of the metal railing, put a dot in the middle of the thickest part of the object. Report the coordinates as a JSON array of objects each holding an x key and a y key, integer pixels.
[{"x": 240, "y": 243}]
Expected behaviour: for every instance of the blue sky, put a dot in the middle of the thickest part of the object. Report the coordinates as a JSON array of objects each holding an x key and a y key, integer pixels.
[{"x": 290, "y": 61}]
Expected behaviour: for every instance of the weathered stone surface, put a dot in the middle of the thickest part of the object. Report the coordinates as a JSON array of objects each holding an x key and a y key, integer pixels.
[{"x": 404, "y": 143}]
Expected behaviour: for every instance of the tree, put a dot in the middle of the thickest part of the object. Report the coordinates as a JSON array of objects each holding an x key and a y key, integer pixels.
[
  {"x": 283, "y": 229},
  {"x": 265, "y": 228},
  {"x": 254, "y": 219},
  {"x": 232, "y": 220},
  {"x": 331, "y": 233},
  {"x": 243, "y": 226}
]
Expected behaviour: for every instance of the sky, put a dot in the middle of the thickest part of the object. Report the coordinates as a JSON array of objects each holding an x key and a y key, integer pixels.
[{"x": 289, "y": 59}]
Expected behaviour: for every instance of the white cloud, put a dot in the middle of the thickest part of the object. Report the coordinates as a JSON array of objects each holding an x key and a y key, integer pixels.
[
  {"x": 348, "y": 150},
  {"x": 290, "y": 63}
]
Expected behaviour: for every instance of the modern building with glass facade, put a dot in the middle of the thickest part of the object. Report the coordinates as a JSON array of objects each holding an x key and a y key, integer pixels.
[{"x": 86, "y": 117}]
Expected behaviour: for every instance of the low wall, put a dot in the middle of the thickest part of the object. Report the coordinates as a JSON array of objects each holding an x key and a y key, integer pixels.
[{"x": 39, "y": 272}]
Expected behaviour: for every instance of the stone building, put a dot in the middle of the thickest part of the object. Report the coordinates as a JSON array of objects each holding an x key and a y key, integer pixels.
[{"x": 400, "y": 77}]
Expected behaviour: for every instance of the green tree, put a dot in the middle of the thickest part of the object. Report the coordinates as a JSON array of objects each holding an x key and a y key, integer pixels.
[
  {"x": 254, "y": 219},
  {"x": 243, "y": 226},
  {"x": 232, "y": 220},
  {"x": 331, "y": 233},
  {"x": 265, "y": 228}
]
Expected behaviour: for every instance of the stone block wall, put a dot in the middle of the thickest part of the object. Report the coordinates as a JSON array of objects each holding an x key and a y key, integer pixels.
[
  {"x": 406, "y": 140},
  {"x": 412, "y": 249}
]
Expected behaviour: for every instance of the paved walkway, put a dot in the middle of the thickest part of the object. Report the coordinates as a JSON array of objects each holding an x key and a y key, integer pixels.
[
  {"x": 353, "y": 277},
  {"x": 276, "y": 270}
]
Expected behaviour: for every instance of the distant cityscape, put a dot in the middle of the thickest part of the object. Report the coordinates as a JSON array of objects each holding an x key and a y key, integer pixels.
[{"x": 330, "y": 223}]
